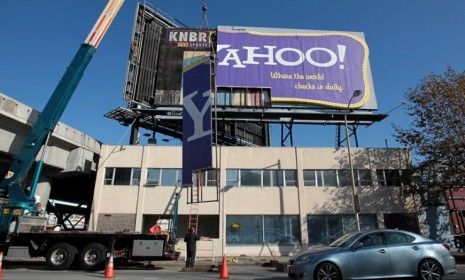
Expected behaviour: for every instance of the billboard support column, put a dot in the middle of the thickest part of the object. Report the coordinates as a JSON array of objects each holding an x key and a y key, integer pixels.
[
  {"x": 288, "y": 135},
  {"x": 134, "y": 138}
]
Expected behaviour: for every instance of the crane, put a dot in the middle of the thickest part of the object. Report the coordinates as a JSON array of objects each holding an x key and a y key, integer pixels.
[{"x": 13, "y": 183}]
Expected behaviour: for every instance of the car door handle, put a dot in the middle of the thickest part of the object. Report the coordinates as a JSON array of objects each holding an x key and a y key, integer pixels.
[
  {"x": 382, "y": 251},
  {"x": 416, "y": 247}
]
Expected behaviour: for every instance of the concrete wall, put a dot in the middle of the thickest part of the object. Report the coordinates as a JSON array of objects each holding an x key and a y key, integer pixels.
[{"x": 300, "y": 200}]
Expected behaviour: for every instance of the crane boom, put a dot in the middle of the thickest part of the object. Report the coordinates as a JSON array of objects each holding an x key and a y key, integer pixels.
[{"x": 52, "y": 112}]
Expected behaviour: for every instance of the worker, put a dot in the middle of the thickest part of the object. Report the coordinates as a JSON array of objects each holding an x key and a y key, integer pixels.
[
  {"x": 155, "y": 229},
  {"x": 191, "y": 239}
]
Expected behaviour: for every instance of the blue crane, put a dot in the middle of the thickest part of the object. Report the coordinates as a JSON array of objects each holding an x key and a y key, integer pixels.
[{"x": 13, "y": 183}]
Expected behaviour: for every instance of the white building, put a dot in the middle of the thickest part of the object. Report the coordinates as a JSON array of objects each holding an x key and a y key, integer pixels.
[{"x": 273, "y": 200}]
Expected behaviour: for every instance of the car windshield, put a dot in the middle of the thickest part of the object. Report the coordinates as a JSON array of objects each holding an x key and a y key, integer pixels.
[{"x": 345, "y": 239}]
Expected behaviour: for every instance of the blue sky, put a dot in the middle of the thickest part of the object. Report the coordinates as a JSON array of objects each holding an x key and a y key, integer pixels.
[{"x": 407, "y": 40}]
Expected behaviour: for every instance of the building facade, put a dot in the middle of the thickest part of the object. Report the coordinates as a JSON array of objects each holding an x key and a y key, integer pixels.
[{"x": 271, "y": 200}]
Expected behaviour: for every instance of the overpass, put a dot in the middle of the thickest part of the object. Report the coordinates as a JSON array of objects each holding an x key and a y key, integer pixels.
[{"x": 70, "y": 160}]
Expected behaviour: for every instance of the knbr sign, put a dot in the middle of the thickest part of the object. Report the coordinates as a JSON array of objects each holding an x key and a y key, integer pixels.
[
  {"x": 189, "y": 38},
  {"x": 320, "y": 68}
]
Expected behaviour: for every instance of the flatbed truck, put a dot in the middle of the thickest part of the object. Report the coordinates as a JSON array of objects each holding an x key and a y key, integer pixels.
[{"x": 88, "y": 250}]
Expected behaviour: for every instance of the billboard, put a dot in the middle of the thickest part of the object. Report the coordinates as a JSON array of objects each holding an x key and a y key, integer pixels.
[
  {"x": 196, "y": 115},
  {"x": 296, "y": 66},
  {"x": 154, "y": 78}
]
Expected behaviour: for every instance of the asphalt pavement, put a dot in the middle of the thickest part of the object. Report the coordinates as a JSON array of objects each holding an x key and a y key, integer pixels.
[{"x": 245, "y": 268}]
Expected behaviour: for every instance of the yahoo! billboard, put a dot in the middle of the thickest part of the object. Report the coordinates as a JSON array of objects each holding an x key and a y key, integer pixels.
[{"x": 319, "y": 68}]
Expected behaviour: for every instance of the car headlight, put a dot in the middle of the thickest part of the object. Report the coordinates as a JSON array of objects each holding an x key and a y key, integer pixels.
[{"x": 303, "y": 259}]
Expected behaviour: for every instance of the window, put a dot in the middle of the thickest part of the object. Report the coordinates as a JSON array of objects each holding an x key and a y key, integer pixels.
[
  {"x": 135, "y": 177},
  {"x": 396, "y": 238},
  {"x": 403, "y": 221},
  {"x": 324, "y": 229},
  {"x": 368, "y": 221},
  {"x": 211, "y": 178},
  {"x": 320, "y": 178},
  {"x": 329, "y": 178},
  {"x": 109, "y": 172},
  {"x": 388, "y": 177},
  {"x": 272, "y": 178},
  {"x": 310, "y": 178},
  {"x": 259, "y": 178},
  {"x": 153, "y": 176},
  {"x": 258, "y": 229},
  {"x": 345, "y": 179},
  {"x": 392, "y": 177},
  {"x": 364, "y": 177},
  {"x": 163, "y": 177},
  {"x": 250, "y": 177},
  {"x": 244, "y": 229},
  {"x": 170, "y": 177},
  {"x": 207, "y": 178},
  {"x": 372, "y": 240},
  {"x": 122, "y": 176},
  {"x": 209, "y": 225},
  {"x": 380, "y": 177},
  {"x": 281, "y": 229},
  {"x": 336, "y": 178},
  {"x": 291, "y": 177},
  {"x": 232, "y": 177}
]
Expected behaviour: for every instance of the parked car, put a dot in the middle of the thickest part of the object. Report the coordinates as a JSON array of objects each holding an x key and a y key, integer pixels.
[{"x": 375, "y": 254}]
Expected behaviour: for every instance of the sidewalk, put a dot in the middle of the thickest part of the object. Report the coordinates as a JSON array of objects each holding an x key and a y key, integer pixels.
[{"x": 209, "y": 265}]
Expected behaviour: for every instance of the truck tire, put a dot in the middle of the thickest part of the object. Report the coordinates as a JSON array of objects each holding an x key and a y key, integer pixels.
[
  {"x": 60, "y": 256},
  {"x": 93, "y": 256}
]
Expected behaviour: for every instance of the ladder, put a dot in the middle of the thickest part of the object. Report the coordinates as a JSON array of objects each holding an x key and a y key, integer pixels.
[
  {"x": 194, "y": 206},
  {"x": 194, "y": 216}
]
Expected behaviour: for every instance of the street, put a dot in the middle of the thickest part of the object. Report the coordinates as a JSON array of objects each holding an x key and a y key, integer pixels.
[
  {"x": 235, "y": 272},
  {"x": 39, "y": 272}
]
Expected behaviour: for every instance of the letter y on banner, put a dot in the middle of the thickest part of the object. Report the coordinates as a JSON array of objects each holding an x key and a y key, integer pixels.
[{"x": 196, "y": 115}]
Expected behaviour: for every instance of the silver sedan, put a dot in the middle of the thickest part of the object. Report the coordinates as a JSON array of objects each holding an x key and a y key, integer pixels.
[{"x": 375, "y": 254}]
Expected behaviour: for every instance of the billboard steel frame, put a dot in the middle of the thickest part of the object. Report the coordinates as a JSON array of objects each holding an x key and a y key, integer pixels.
[{"x": 168, "y": 120}]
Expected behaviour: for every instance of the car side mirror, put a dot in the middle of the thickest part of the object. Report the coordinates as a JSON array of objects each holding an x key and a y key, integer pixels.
[{"x": 356, "y": 246}]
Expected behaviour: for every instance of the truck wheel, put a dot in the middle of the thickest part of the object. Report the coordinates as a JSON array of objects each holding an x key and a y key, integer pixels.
[
  {"x": 93, "y": 256},
  {"x": 60, "y": 256}
]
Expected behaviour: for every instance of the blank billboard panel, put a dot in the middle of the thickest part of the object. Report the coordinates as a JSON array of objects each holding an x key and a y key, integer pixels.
[{"x": 146, "y": 50}]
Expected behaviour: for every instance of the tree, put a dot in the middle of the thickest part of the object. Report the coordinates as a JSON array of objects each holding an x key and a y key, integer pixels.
[{"x": 436, "y": 134}]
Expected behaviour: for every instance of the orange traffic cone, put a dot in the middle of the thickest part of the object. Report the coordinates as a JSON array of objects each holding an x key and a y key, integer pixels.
[
  {"x": 109, "y": 271},
  {"x": 1, "y": 264},
  {"x": 224, "y": 274}
]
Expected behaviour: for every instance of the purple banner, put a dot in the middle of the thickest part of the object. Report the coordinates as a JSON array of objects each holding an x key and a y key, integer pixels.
[
  {"x": 310, "y": 68},
  {"x": 196, "y": 115}
]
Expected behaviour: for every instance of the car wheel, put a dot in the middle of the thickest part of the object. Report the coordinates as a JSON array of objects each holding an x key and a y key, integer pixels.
[
  {"x": 327, "y": 271},
  {"x": 429, "y": 270},
  {"x": 60, "y": 256},
  {"x": 92, "y": 256}
]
